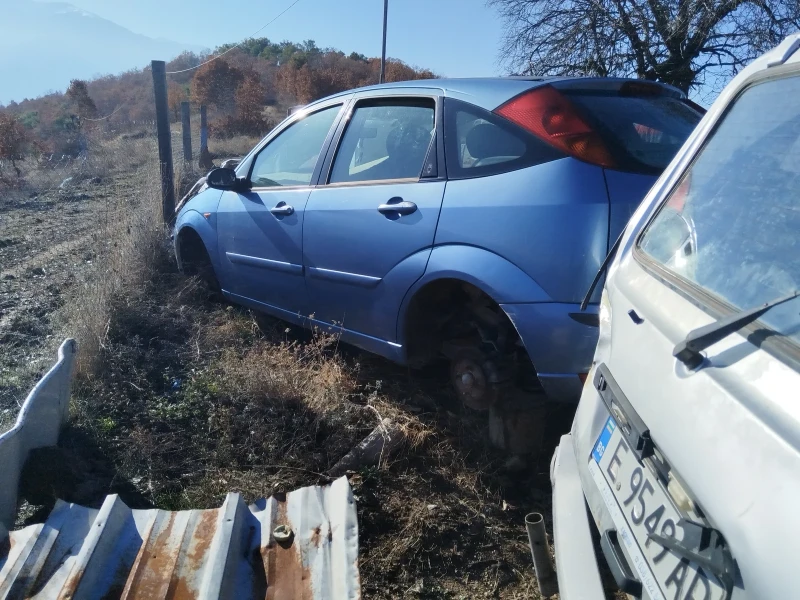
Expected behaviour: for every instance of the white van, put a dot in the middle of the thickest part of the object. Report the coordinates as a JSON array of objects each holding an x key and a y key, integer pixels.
[{"x": 686, "y": 444}]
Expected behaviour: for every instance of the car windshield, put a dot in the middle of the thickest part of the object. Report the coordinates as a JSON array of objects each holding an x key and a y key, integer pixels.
[
  {"x": 731, "y": 224},
  {"x": 645, "y": 131}
]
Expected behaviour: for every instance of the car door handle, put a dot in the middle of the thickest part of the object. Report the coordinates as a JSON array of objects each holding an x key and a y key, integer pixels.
[
  {"x": 402, "y": 207},
  {"x": 282, "y": 209}
]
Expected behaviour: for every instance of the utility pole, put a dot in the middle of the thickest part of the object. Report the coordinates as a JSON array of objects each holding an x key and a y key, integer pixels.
[{"x": 383, "y": 52}]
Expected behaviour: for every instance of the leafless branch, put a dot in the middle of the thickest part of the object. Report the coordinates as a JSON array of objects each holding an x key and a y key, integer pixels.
[{"x": 686, "y": 43}]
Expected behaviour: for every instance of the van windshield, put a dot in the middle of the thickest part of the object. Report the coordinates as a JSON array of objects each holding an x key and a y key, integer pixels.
[{"x": 732, "y": 224}]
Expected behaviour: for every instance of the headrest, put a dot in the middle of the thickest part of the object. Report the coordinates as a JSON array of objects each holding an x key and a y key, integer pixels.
[
  {"x": 393, "y": 140},
  {"x": 486, "y": 141}
]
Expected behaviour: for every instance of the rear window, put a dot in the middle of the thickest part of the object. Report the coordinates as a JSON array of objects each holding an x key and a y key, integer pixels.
[
  {"x": 643, "y": 131},
  {"x": 731, "y": 227}
]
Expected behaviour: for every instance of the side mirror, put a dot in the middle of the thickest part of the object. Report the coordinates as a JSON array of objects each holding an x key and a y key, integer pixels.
[{"x": 224, "y": 179}]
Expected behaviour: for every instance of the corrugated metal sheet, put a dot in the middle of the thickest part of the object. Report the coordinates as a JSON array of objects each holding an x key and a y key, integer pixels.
[
  {"x": 38, "y": 424},
  {"x": 230, "y": 552}
]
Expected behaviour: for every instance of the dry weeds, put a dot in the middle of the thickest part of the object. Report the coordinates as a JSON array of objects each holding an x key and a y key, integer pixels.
[
  {"x": 128, "y": 245},
  {"x": 180, "y": 400},
  {"x": 55, "y": 222},
  {"x": 232, "y": 147}
]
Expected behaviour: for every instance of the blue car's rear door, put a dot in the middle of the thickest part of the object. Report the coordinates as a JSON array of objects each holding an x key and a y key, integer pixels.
[
  {"x": 370, "y": 224},
  {"x": 261, "y": 230}
]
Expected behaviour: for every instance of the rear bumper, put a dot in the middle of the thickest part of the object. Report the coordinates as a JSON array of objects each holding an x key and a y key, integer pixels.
[
  {"x": 576, "y": 562},
  {"x": 559, "y": 346}
]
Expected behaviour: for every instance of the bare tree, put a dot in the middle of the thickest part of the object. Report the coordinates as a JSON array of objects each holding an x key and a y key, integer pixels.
[{"x": 686, "y": 43}]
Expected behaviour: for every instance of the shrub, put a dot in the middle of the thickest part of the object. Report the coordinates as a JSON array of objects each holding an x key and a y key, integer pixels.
[{"x": 14, "y": 141}]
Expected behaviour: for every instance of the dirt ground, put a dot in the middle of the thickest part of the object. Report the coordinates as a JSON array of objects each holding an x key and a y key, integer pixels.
[
  {"x": 183, "y": 405},
  {"x": 46, "y": 242}
]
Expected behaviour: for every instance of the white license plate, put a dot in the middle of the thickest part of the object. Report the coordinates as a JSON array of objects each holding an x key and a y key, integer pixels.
[{"x": 639, "y": 505}]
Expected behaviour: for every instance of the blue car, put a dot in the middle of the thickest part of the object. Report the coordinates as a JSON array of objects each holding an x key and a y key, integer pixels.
[{"x": 460, "y": 219}]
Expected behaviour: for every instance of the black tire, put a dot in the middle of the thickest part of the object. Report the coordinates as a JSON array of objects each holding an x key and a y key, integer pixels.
[{"x": 196, "y": 262}]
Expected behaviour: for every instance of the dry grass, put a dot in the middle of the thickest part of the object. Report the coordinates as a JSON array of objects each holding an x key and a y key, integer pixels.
[
  {"x": 60, "y": 216},
  {"x": 193, "y": 401},
  {"x": 232, "y": 147},
  {"x": 128, "y": 244},
  {"x": 180, "y": 400},
  {"x": 104, "y": 159},
  {"x": 190, "y": 400},
  {"x": 195, "y": 407}
]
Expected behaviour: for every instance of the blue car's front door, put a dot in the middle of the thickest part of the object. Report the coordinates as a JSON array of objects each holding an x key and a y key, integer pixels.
[
  {"x": 261, "y": 230},
  {"x": 370, "y": 224}
]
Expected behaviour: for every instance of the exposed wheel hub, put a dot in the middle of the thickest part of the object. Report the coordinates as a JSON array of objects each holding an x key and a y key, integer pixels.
[{"x": 473, "y": 379}]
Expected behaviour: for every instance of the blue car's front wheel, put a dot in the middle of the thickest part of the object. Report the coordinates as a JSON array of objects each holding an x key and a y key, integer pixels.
[{"x": 194, "y": 260}]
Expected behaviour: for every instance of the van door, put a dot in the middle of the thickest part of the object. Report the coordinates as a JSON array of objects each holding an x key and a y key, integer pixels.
[{"x": 703, "y": 442}]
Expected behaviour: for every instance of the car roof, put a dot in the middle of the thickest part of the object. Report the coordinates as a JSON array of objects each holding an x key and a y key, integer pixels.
[{"x": 491, "y": 92}]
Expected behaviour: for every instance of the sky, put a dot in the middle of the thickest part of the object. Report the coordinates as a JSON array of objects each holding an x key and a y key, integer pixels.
[{"x": 454, "y": 38}]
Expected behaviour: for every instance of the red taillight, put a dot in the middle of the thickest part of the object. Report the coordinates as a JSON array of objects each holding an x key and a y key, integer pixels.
[
  {"x": 549, "y": 115},
  {"x": 678, "y": 199}
]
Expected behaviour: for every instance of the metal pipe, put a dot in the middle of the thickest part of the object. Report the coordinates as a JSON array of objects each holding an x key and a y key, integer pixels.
[
  {"x": 383, "y": 52},
  {"x": 540, "y": 553}
]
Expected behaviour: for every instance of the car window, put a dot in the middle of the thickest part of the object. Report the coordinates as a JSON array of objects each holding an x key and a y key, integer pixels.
[
  {"x": 483, "y": 143},
  {"x": 290, "y": 158},
  {"x": 644, "y": 130},
  {"x": 731, "y": 225},
  {"x": 480, "y": 143},
  {"x": 385, "y": 141}
]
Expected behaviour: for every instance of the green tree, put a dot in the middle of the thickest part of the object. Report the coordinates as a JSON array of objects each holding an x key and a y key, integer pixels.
[
  {"x": 82, "y": 103},
  {"x": 357, "y": 56},
  {"x": 30, "y": 119}
]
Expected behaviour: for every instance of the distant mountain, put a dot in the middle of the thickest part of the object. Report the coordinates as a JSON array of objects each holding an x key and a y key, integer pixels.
[{"x": 45, "y": 44}]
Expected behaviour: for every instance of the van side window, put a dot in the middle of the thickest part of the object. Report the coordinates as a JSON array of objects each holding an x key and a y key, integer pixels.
[{"x": 479, "y": 143}]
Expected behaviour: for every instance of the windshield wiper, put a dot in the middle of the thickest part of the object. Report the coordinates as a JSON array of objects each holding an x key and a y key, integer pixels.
[
  {"x": 600, "y": 271},
  {"x": 704, "y": 546},
  {"x": 688, "y": 351}
]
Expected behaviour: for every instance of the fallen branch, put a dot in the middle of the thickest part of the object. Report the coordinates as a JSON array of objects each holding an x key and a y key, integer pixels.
[{"x": 386, "y": 438}]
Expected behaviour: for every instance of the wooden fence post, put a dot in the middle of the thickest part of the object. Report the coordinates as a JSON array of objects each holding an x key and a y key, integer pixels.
[
  {"x": 186, "y": 125},
  {"x": 205, "y": 158},
  {"x": 159, "y": 68}
]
